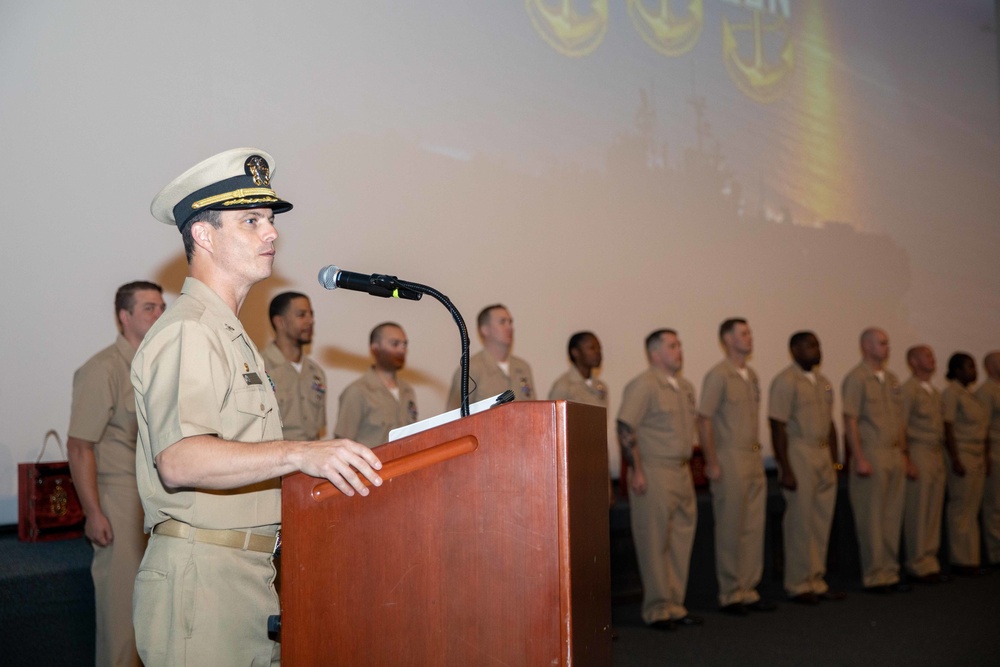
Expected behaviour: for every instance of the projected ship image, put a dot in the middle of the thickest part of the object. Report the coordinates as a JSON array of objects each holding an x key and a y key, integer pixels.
[{"x": 700, "y": 208}]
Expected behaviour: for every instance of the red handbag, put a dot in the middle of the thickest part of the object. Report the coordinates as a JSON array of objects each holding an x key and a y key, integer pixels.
[{"x": 47, "y": 505}]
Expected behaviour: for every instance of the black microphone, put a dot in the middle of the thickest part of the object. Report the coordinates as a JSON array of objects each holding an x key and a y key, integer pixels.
[{"x": 376, "y": 284}]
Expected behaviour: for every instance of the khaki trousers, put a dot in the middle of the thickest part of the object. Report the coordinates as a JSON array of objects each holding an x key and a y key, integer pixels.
[
  {"x": 924, "y": 507},
  {"x": 113, "y": 571},
  {"x": 965, "y": 497},
  {"x": 738, "y": 505},
  {"x": 808, "y": 518},
  {"x": 877, "y": 504},
  {"x": 204, "y": 605},
  {"x": 991, "y": 506},
  {"x": 664, "y": 519}
]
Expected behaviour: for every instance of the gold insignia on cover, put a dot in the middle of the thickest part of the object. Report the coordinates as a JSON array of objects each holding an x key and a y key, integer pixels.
[
  {"x": 256, "y": 167},
  {"x": 250, "y": 200}
]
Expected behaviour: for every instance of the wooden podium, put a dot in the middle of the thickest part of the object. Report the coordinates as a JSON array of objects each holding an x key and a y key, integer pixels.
[{"x": 487, "y": 544}]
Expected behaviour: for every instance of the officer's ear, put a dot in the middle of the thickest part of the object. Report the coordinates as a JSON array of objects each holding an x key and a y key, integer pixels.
[
  {"x": 123, "y": 315},
  {"x": 201, "y": 234}
]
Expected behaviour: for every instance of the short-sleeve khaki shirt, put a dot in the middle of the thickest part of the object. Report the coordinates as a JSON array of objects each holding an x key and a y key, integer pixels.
[
  {"x": 368, "y": 410},
  {"x": 805, "y": 408},
  {"x": 103, "y": 412},
  {"x": 571, "y": 386},
  {"x": 197, "y": 372},
  {"x": 969, "y": 418},
  {"x": 301, "y": 394},
  {"x": 487, "y": 379},
  {"x": 733, "y": 405},
  {"x": 877, "y": 405},
  {"x": 922, "y": 413},
  {"x": 663, "y": 417}
]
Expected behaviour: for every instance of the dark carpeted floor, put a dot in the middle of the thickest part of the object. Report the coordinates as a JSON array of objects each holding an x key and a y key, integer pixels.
[
  {"x": 955, "y": 623},
  {"x": 46, "y": 614},
  {"x": 46, "y": 602}
]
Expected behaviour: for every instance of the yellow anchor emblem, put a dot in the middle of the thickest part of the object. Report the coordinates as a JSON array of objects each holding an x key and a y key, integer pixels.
[
  {"x": 759, "y": 80},
  {"x": 567, "y": 31},
  {"x": 664, "y": 30}
]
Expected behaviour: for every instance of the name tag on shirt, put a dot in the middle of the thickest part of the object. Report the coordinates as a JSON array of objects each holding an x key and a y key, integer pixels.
[{"x": 252, "y": 378}]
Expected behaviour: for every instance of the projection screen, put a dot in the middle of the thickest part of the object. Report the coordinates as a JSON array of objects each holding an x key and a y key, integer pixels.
[{"x": 617, "y": 166}]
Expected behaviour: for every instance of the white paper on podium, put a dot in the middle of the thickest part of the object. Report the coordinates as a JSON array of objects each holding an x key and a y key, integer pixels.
[{"x": 443, "y": 418}]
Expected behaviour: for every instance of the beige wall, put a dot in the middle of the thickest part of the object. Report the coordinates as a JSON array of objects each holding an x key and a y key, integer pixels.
[{"x": 452, "y": 145}]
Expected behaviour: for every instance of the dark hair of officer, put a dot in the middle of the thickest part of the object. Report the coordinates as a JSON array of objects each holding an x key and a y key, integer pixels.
[
  {"x": 125, "y": 296},
  {"x": 576, "y": 340},
  {"x": 376, "y": 334},
  {"x": 654, "y": 339},
  {"x": 962, "y": 368},
  {"x": 729, "y": 325},
  {"x": 484, "y": 315},
  {"x": 280, "y": 303},
  {"x": 210, "y": 216}
]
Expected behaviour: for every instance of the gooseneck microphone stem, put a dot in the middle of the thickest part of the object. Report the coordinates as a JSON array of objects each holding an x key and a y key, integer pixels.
[
  {"x": 462, "y": 330},
  {"x": 376, "y": 284}
]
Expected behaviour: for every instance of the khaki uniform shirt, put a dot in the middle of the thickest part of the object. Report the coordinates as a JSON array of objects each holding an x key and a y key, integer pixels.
[
  {"x": 571, "y": 386},
  {"x": 805, "y": 408},
  {"x": 969, "y": 417},
  {"x": 198, "y": 373},
  {"x": 368, "y": 410},
  {"x": 922, "y": 413},
  {"x": 487, "y": 379},
  {"x": 877, "y": 405},
  {"x": 103, "y": 412},
  {"x": 989, "y": 395},
  {"x": 733, "y": 405},
  {"x": 662, "y": 417},
  {"x": 301, "y": 395}
]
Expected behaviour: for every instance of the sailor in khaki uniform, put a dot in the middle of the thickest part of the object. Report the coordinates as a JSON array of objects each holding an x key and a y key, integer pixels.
[
  {"x": 800, "y": 411},
  {"x": 101, "y": 448},
  {"x": 580, "y": 383},
  {"x": 210, "y": 453},
  {"x": 494, "y": 369},
  {"x": 966, "y": 423},
  {"x": 925, "y": 444},
  {"x": 299, "y": 382},
  {"x": 379, "y": 400},
  {"x": 728, "y": 429},
  {"x": 656, "y": 429},
  {"x": 989, "y": 395},
  {"x": 874, "y": 431}
]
